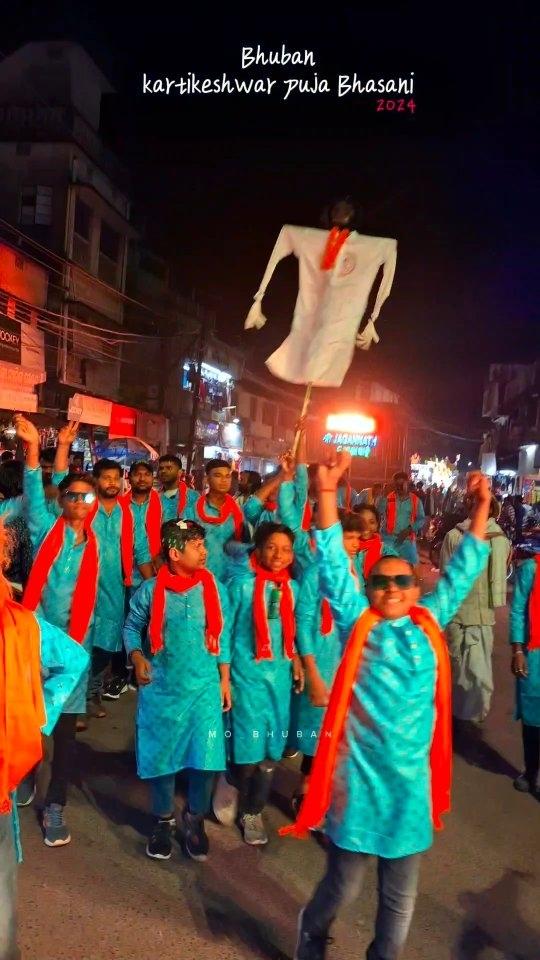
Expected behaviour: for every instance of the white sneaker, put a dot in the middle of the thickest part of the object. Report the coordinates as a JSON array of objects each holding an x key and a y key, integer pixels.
[
  {"x": 253, "y": 829},
  {"x": 225, "y": 801}
]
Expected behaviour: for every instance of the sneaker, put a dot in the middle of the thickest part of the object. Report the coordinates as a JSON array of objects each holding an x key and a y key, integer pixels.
[
  {"x": 310, "y": 947},
  {"x": 253, "y": 831},
  {"x": 159, "y": 845},
  {"x": 26, "y": 790},
  {"x": 115, "y": 688},
  {"x": 225, "y": 801},
  {"x": 56, "y": 833},
  {"x": 195, "y": 839}
]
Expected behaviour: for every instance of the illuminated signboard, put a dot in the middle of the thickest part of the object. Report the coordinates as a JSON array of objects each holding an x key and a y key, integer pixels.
[{"x": 352, "y": 432}]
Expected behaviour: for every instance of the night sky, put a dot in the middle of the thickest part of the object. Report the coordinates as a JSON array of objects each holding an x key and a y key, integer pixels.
[{"x": 215, "y": 178}]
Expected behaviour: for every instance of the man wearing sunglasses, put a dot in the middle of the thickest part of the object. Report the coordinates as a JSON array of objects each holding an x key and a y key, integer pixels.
[
  {"x": 62, "y": 589},
  {"x": 381, "y": 775}
]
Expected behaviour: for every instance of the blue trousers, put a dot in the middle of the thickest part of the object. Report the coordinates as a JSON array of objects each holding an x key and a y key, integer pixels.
[
  {"x": 200, "y": 783},
  {"x": 342, "y": 883}
]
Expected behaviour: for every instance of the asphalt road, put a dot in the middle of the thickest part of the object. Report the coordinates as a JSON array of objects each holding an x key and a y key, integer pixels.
[{"x": 101, "y": 897}]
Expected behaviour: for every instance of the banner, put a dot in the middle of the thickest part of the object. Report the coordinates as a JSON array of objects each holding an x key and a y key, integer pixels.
[
  {"x": 123, "y": 421},
  {"x": 10, "y": 340},
  {"x": 90, "y": 410}
]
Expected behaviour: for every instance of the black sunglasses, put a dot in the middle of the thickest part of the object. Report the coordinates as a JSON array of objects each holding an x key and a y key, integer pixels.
[
  {"x": 72, "y": 497},
  {"x": 380, "y": 581}
]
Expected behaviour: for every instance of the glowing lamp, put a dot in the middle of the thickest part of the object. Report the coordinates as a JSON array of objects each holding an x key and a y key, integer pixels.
[{"x": 350, "y": 423}]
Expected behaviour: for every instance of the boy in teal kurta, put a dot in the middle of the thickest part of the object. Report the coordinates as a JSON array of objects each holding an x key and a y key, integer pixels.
[
  {"x": 264, "y": 667},
  {"x": 75, "y": 558},
  {"x": 177, "y": 634},
  {"x": 175, "y": 495},
  {"x": 525, "y": 640},
  {"x": 380, "y": 787},
  {"x": 402, "y": 519}
]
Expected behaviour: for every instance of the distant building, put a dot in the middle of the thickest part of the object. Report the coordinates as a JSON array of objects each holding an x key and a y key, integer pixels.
[{"x": 512, "y": 405}]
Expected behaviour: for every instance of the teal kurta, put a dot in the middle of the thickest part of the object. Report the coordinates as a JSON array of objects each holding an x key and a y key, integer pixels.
[
  {"x": 63, "y": 663},
  {"x": 406, "y": 550},
  {"x": 256, "y": 513},
  {"x": 179, "y": 717},
  {"x": 381, "y": 796},
  {"x": 527, "y": 688},
  {"x": 57, "y": 596},
  {"x": 216, "y": 536},
  {"x": 169, "y": 504},
  {"x": 260, "y": 690},
  {"x": 110, "y": 602},
  {"x": 141, "y": 547}
]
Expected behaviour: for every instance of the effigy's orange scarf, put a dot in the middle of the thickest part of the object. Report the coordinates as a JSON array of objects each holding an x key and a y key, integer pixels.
[
  {"x": 22, "y": 708},
  {"x": 318, "y": 798}
]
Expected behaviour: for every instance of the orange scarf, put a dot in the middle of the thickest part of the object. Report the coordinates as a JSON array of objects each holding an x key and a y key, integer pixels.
[
  {"x": 263, "y": 642},
  {"x": 319, "y": 795},
  {"x": 230, "y": 508},
  {"x": 391, "y": 512},
  {"x": 334, "y": 243},
  {"x": 84, "y": 594},
  {"x": 534, "y": 610},
  {"x": 372, "y": 549},
  {"x": 22, "y": 709},
  {"x": 179, "y": 584}
]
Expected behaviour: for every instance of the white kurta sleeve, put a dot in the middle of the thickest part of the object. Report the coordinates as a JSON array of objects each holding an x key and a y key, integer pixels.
[
  {"x": 283, "y": 248},
  {"x": 369, "y": 334}
]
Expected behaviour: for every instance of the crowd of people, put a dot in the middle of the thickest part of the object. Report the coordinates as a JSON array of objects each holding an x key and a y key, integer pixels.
[{"x": 287, "y": 618}]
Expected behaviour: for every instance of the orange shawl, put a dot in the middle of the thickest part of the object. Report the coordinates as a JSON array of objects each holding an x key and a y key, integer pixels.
[
  {"x": 22, "y": 708},
  {"x": 319, "y": 795}
]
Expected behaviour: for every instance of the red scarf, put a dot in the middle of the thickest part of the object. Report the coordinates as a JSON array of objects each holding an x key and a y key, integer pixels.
[
  {"x": 263, "y": 642},
  {"x": 230, "y": 508},
  {"x": 271, "y": 506},
  {"x": 307, "y": 517},
  {"x": 125, "y": 551},
  {"x": 179, "y": 584},
  {"x": 154, "y": 516},
  {"x": 182, "y": 497},
  {"x": 84, "y": 595},
  {"x": 373, "y": 552},
  {"x": 391, "y": 512},
  {"x": 334, "y": 243},
  {"x": 22, "y": 710},
  {"x": 534, "y": 610},
  {"x": 319, "y": 795},
  {"x": 327, "y": 620}
]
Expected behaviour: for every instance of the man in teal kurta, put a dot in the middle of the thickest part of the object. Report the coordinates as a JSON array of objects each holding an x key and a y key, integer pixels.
[
  {"x": 525, "y": 640},
  {"x": 381, "y": 788},
  {"x": 55, "y": 605},
  {"x": 219, "y": 515},
  {"x": 62, "y": 663},
  {"x": 183, "y": 686},
  {"x": 400, "y": 532},
  {"x": 176, "y": 497}
]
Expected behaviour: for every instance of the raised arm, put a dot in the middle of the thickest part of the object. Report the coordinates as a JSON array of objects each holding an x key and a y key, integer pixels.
[
  {"x": 468, "y": 561},
  {"x": 369, "y": 334},
  {"x": 35, "y": 509},
  {"x": 283, "y": 248}
]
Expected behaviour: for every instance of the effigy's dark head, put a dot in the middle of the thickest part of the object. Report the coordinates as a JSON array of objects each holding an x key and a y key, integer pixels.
[{"x": 341, "y": 212}]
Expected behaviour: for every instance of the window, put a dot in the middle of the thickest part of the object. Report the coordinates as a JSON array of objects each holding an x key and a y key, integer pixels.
[
  {"x": 109, "y": 242},
  {"x": 83, "y": 215},
  {"x": 36, "y": 206},
  {"x": 268, "y": 414}
]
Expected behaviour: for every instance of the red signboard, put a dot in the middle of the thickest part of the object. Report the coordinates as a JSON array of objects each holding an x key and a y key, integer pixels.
[{"x": 123, "y": 421}]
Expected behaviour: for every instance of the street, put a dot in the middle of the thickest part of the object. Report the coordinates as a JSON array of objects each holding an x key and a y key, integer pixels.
[{"x": 101, "y": 897}]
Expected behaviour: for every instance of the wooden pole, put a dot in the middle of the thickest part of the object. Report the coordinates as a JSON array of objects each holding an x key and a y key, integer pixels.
[{"x": 305, "y": 405}]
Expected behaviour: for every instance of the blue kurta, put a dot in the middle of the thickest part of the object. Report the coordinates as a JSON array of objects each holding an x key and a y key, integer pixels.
[
  {"x": 527, "y": 688},
  {"x": 260, "y": 690},
  {"x": 110, "y": 601},
  {"x": 381, "y": 797},
  {"x": 169, "y": 504},
  {"x": 256, "y": 513},
  {"x": 63, "y": 663},
  {"x": 216, "y": 536},
  {"x": 57, "y": 596},
  {"x": 179, "y": 716},
  {"x": 406, "y": 550},
  {"x": 141, "y": 546}
]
